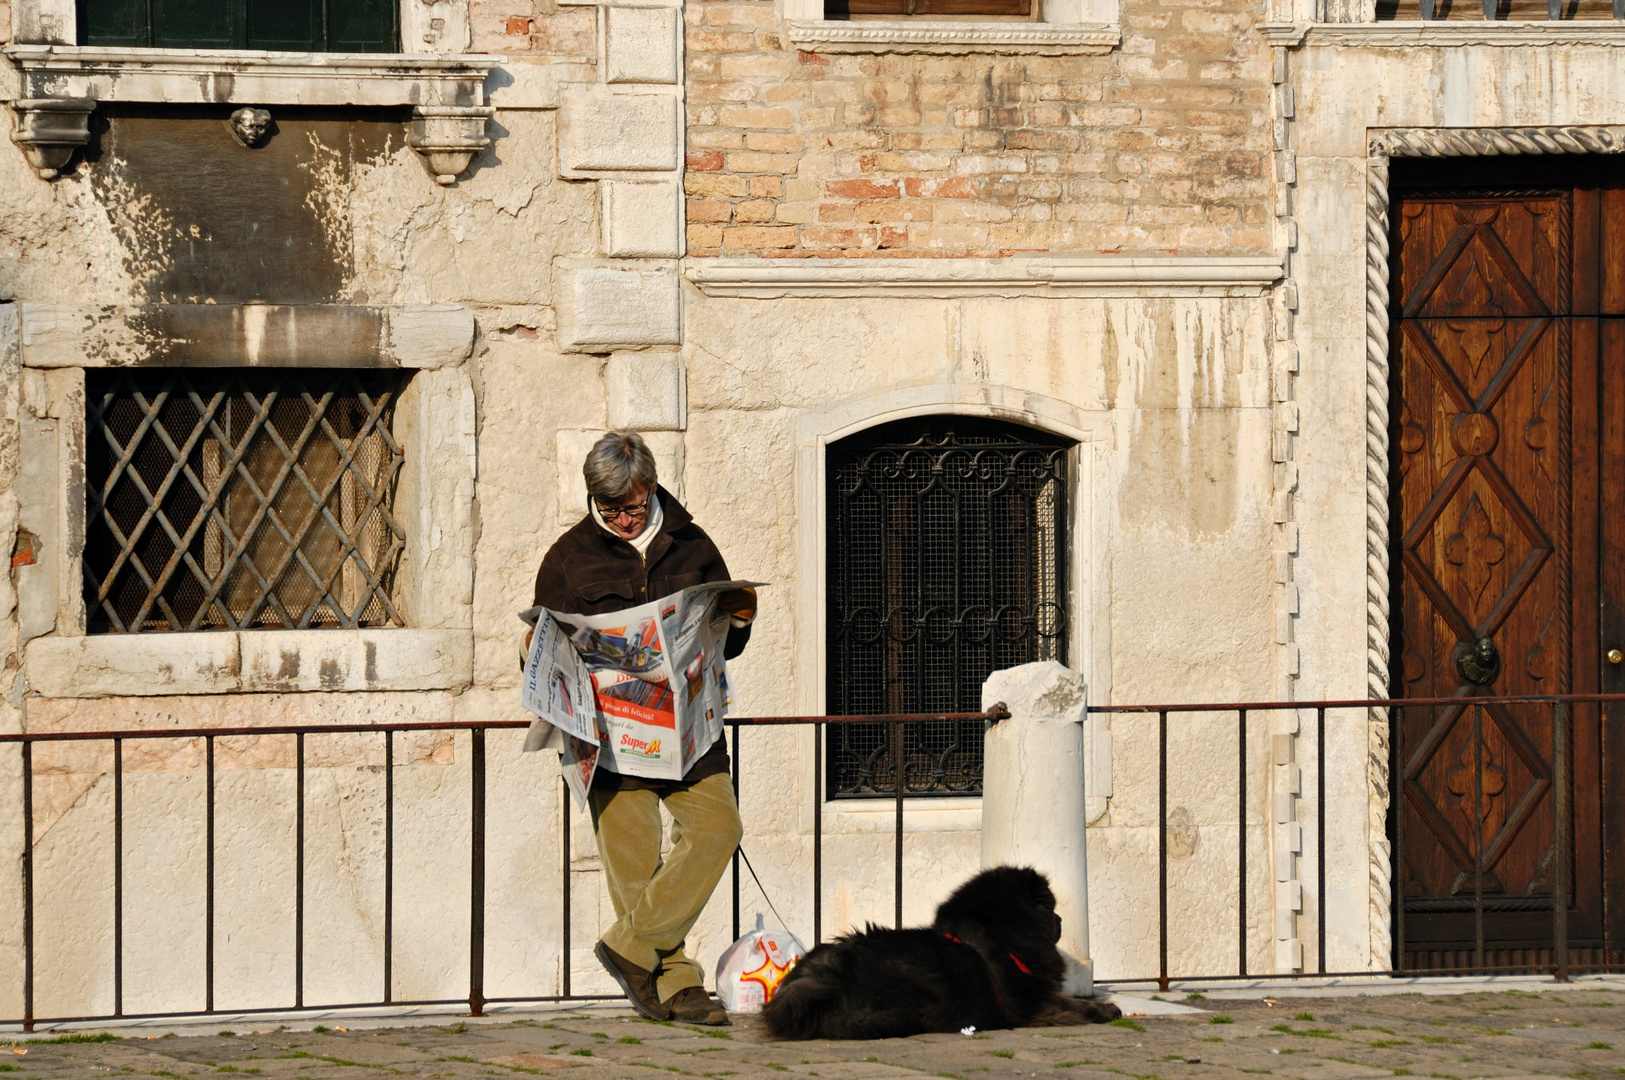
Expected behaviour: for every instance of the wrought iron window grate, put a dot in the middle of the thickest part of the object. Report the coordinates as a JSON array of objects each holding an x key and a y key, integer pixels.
[
  {"x": 234, "y": 500},
  {"x": 947, "y": 556}
]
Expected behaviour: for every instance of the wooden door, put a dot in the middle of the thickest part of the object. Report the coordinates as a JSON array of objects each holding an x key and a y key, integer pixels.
[{"x": 1499, "y": 332}]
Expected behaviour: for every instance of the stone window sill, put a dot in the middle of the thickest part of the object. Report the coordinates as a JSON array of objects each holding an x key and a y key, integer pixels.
[
  {"x": 249, "y": 77},
  {"x": 62, "y": 84},
  {"x": 262, "y": 661},
  {"x": 911, "y": 36},
  {"x": 961, "y": 813},
  {"x": 1438, "y": 34}
]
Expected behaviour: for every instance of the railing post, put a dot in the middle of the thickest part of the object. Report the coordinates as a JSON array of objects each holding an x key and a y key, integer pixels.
[
  {"x": 897, "y": 775},
  {"x": 1033, "y": 808},
  {"x": 1162, "y": 849},
  {"x": 564, "y": 871},
  {"x": 1241, "y": 834},
  {"x": 476, "y": 878},
  {"x": 208, "y": 896},
  {"x": 735, "y": 763},
  {"x": 1320, "y": 835},
  {"x": 28, "y": 885},
  {"x": 818, "y": 830},
  {"x": 1396, "y": 806},
  {"x": 1560, "y": 833},
  {"x": 389, "y": 865},
  {"x": 118, "y": 877},
  {"x": 299, "y": 871}
]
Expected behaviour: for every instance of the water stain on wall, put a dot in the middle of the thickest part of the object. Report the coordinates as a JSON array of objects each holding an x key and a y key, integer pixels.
[{"x": 205, "y": 219}]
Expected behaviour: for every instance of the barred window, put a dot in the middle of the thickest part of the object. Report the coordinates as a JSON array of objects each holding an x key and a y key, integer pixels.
[
  {"x": 234, "y": 500},
  {"x": 947, "y": 557}
]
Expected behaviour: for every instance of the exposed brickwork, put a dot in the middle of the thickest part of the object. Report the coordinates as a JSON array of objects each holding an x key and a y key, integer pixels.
[
  {"x": 1161, "y": 146},
  {"x": 507, "y": 26}
]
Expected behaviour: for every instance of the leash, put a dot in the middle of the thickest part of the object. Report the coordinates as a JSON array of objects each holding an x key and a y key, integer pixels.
[{"x": 763, "y": 891}]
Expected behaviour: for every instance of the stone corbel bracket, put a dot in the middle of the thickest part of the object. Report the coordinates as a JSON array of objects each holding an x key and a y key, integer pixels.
[
  {"x": 448, "y": 137},
  {"x": 62, "y": 84},
  {"x": 49, "y": 130}
]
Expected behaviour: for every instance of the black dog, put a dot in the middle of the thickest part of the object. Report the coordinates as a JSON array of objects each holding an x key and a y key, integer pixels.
[{"x": 988, "y": 961}]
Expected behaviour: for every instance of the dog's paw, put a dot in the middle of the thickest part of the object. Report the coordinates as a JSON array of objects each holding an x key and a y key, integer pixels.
[
  {"x": 1062, "y": 1011},
  {"x": 1098, "y": 1010}
]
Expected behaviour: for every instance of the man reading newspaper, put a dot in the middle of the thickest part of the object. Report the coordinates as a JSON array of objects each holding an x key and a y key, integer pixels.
[{"x": 657, "y": 608}]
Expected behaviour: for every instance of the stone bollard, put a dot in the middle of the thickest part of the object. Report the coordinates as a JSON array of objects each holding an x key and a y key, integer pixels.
[{"x": 1032, "y": 795}]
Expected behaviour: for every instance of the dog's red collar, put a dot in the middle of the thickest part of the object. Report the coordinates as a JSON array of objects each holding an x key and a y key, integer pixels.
[{"x": 1025, "y": 970}]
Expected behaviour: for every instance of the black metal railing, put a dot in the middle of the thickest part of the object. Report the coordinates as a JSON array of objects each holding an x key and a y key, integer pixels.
[
  {"x": 1248, "y": 764},
  {"x": 1551, "y": 949}
]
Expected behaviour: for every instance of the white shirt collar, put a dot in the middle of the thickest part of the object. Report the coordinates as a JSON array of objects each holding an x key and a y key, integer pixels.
[{"x": 651, "y": 528}]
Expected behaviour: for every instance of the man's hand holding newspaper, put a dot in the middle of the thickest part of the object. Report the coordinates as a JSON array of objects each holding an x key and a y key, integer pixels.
[{"x": 641, "y": 691}]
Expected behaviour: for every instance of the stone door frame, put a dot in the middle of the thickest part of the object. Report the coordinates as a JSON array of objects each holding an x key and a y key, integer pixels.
[{"x": 1383, "y": 145}]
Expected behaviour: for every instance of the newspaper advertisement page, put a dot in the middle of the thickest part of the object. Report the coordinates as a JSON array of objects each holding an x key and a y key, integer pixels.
[{"x": 657, "y": 678}]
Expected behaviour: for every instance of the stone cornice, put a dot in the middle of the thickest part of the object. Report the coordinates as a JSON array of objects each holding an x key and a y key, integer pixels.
[
  {"x": 1283, "y": 34},
  {"x": 1044, "y": 39},
  {"x": 1416, "y": 34},
  {"x": 1048, "y": 275},
  {"x": 1475, "y": 142},
  {"x": 244, "y": 335},
  {"x": 247, "y": 77}
]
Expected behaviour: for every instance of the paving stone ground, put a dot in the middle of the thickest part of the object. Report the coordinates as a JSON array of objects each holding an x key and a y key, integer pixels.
[{"x": 1564, "y": 1031}]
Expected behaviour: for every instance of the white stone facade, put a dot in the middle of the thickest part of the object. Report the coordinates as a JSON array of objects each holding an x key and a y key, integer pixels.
[{"x": 1227, "y": 539}]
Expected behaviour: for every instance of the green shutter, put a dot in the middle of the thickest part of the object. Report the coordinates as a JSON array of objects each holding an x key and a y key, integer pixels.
[
  {"x": 285, "y": 25},
  {"x": 113, "y": 22},
  {"x": 362, "y": 25},
  {"x": 196, "y": 24},
  {"x": 281, "y": 25}
]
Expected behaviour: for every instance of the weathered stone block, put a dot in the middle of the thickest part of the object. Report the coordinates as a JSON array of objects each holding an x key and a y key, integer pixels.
[
  {"x": 641, "y": 45},
  {"x": 109, "y": 665},
  {"x": 355, "y": 659},
  {"x": 647, "y": 392},
  {"x": 602, "y": 308},
  {"x": 604, "y": 132},
  {"x": 641, "y": 219}
]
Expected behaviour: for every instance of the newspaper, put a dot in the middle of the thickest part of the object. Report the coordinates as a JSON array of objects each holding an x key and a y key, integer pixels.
[{"x": 641, "y": 691}]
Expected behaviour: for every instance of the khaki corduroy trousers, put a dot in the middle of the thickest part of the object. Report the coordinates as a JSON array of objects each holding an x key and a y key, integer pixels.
[{"x": 657, "y": 901}]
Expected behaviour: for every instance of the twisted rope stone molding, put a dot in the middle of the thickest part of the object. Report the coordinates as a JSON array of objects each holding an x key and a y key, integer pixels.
[
  {"x": 1485, "y": 142},
  {"x": 1384, "y": 145},
  {"x": 1376, "y": 545}
]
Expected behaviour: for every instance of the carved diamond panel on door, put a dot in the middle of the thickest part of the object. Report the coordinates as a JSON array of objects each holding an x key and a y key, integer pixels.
[{"x": 1485, "y": 462}]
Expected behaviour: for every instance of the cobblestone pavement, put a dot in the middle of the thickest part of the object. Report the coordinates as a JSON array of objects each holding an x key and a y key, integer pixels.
[{"x": 1570, "y": 1031}]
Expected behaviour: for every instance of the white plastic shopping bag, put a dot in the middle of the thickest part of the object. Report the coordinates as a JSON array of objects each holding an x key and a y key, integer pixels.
[{"x": 750, "y": 970}]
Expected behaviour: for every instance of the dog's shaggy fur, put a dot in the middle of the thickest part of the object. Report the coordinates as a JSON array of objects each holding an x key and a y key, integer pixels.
[{"x": 988, "y": 961}]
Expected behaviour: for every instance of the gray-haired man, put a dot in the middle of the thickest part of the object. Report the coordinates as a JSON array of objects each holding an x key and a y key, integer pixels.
[{"x": 637, "y": 544}]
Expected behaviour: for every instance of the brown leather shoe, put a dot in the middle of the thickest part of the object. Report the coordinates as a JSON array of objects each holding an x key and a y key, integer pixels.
[
  {"x": 692, "y": 1005},
  {"x": 638, "y": 984}
]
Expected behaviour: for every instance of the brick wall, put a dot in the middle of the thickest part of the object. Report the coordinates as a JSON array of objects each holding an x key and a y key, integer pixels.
[
  {"x": 507, "y": 26},
  {"x": 1162, "y": 145}
]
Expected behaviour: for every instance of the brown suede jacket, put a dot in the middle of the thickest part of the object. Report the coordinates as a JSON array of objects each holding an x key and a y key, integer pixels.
[{"x": 588, "y": 571}]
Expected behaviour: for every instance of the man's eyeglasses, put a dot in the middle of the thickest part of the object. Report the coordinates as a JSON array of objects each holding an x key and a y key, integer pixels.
[{"x": 631, "y": 510}]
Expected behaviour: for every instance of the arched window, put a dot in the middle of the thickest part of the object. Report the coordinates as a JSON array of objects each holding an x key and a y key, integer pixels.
[{"x": 947, "y": 557}]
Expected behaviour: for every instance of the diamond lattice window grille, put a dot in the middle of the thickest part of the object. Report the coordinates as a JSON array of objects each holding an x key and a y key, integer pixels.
[
  {"x": 236, "y": 500},
  {"x": 947, "y": 555}
]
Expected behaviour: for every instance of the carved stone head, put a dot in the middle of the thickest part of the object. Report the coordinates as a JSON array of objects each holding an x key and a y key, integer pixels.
[{"x": 251, "y": 126}]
